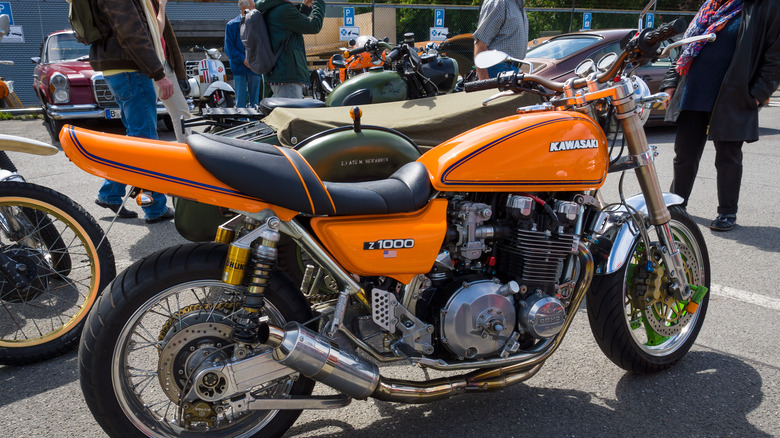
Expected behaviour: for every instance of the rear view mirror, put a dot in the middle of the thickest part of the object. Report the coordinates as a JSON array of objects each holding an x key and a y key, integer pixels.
[{"x": 489, "y": 58}]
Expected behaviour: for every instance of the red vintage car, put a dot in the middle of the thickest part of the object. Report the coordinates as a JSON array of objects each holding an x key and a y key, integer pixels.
[{"x": 68, "y": 88}]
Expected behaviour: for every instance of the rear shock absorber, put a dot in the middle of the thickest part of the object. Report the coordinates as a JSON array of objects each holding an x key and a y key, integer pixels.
[{"x": 261, "y": 258}]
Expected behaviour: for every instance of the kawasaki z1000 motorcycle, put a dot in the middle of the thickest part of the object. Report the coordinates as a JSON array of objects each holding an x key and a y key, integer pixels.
[{"x": 476, "y": 256}]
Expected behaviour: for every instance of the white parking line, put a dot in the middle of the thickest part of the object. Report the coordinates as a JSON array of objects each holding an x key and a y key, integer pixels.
[{"x": 745, "y": 296}]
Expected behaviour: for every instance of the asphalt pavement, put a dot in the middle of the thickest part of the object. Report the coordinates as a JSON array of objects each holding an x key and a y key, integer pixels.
[{"x": 726, "y": 386}]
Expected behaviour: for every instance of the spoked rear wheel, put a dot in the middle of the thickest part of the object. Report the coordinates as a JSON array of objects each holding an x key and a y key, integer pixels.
[
  {"x": 54, "y": 245},
  {"x": 163, "y": 320},
  {"x": 635, "y": 321}
]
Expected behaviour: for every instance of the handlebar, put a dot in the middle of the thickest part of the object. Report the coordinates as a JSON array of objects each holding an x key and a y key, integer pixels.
[
  {"x": 369, "y": 46},
  {"x": 356, "y": 51},
  {"x": 643, "y": 47},
  {"x": 390, "y": 57},
  {"x": 484, "y": 84},
  {"x": 664, "y": 32}
]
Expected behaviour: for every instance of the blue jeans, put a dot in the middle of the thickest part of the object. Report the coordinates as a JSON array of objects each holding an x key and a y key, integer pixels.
[
  {"x": 244, "y": 84},
  {"x": 135, "y": 94},
  {"x": 498, "y": 68}
]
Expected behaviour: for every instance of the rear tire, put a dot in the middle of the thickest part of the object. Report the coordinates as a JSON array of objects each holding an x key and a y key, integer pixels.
[
  {"x": 630, "y": 336},
  {"x": 161, "y": 298}
]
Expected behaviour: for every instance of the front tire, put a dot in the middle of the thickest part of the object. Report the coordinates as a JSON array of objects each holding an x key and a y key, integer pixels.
[
  {"x": 635, "y": 323},
  {"x": 159, "y": 320},
  {"x": 55, "y": 242}
]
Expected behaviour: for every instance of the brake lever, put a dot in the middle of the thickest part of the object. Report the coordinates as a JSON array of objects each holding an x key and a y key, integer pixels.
[
  {"x": 498, "y": 95},
  {"x": 710, "y": 37}
]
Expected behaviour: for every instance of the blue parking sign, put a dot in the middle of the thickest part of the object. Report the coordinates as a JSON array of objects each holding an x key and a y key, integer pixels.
[
  {"x": 438, "y": 18},
  {"x": 586, "y": 18},
  {"x": 349, "y": 16},
  {"x": 650, "y": 20},
  {"x": 5, "y": 9}
]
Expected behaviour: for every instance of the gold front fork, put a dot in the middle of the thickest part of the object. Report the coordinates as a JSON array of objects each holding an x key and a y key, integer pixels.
[{"x": 646, "y": 174}]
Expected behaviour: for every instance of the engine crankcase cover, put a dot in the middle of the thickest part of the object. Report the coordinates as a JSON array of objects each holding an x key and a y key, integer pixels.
[
  {"x": 477, "y": 320},
  {"x": 542, "y": 316}
]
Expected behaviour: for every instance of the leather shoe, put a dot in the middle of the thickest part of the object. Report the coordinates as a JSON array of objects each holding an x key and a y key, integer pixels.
[
  {"x": 168, "y": 215},
  {"x": 117, "y": 208},
  {"x": 724, "y": 222}
]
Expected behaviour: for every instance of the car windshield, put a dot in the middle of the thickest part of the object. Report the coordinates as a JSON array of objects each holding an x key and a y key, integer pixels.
[
  {"x": 64, "y": 47},
  {"x": 560, "y": 48}
]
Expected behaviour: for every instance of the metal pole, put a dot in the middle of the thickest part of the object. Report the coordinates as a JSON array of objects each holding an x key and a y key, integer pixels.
[
  {"x": 571, "y": 17},
  {"x": 373, "y": 19}
]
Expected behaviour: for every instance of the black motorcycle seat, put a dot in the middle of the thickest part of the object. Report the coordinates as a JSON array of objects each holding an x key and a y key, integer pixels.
[
  {"x": 282, "y": 177},
  {"x": 269, "y": 103}
]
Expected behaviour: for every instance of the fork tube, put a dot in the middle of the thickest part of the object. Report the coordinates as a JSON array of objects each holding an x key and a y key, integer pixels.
[
  {"x": 637, "y": 145},
  {"x": 651, "y": 189}
]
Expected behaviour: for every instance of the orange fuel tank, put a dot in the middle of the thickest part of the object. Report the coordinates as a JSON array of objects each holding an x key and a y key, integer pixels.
[
  {"x": 395, "y": 245},
  {"x": 540, "y": 151}
]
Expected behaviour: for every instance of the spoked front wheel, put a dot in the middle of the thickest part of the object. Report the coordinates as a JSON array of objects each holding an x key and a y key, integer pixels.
[
  {"x": 637, "y": 323},
  {"x": 55, "y": 246},
  {"x": 162, "y": 321}
]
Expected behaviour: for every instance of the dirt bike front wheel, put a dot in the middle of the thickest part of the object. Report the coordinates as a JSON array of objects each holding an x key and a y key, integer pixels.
[
  {"x": 163, "y": 319},
  {"x": 56, "y": 246},
  {"x": 635, "y": 321}
]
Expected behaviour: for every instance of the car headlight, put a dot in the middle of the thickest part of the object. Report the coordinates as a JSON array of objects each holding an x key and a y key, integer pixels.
[{"x": 59, "y": 88}]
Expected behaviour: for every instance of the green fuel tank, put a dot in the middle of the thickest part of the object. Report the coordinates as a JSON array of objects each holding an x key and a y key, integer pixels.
[{"x": 384, "y": 85}]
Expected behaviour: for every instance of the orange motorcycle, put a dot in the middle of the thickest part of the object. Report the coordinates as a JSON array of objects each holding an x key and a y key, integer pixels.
[{"x": 474, "y": 257}]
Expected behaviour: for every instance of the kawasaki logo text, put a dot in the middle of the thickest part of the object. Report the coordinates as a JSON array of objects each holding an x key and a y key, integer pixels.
[{"x": 558, "y": 146}]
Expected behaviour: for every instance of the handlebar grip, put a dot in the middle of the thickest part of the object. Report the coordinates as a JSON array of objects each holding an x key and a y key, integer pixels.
[
  {"x": 665, "y": 31},
  {"x": 390, "y": 57},
  {"x": 484, "y": 84},
  {"x": 357, "y": 51}
]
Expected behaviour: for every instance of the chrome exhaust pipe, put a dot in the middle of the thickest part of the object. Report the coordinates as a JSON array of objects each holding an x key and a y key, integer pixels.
[
  {"x": 405, "y": 391},
  {"x": 317, "y": 358}
]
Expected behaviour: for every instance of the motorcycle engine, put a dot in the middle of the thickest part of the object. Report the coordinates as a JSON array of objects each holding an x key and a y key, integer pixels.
[{"x": 501, "y": 277}]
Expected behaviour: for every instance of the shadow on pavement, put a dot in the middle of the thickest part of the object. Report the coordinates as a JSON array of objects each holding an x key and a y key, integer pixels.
[{"x": 698, "y": 397}]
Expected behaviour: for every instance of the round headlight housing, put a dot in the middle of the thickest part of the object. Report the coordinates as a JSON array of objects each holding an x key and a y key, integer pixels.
[
  {"x": 641, "y": 91},
  {"x": 59, "y": 88}
]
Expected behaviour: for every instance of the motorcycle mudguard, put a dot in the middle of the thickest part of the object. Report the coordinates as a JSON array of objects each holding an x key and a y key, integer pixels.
[
  {"x": 26, "y": 145},
  {"x": 218, "y": 85},
  {"x": 194, "y": 88},
  {"x": 616, "y": 235},
  {"x": 337, "y": 155}
]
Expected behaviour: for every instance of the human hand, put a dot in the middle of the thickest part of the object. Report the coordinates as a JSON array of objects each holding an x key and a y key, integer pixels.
[
  {"x": 308, "y": 2},
  {"x": 670, "y": 92},
  {"x": 246, "y": 63},
  {"x": 757, "y": 102},
  {"x": 166, "y": 88}
]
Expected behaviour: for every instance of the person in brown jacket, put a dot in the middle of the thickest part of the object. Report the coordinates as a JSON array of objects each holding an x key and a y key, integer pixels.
[{"x": 131, "y": 56}]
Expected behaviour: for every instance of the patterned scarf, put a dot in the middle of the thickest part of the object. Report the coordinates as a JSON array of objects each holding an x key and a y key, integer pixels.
[{"x": 711, "y": 18}]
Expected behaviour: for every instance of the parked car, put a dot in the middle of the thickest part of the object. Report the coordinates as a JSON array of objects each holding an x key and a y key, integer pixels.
[
  {"x": 67, "y": 86},
  {"x": 556, "y": 57}
]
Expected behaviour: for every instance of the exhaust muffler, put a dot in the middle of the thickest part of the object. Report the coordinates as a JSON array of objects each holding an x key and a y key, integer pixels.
[{"x": 317, "y": 358}]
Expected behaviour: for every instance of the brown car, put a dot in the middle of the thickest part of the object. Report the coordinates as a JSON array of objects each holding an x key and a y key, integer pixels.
[{"x": 557, "y": 57}]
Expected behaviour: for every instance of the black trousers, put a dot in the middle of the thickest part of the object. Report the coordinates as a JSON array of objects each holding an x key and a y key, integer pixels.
[{"x": 688, "y": 148}]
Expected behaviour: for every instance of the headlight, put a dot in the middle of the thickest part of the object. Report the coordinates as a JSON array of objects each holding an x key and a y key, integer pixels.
[
  {"x": 61, "y": 96},
  {"x": 641, "y": 91},
  {"x": 58, "y": 86}
]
